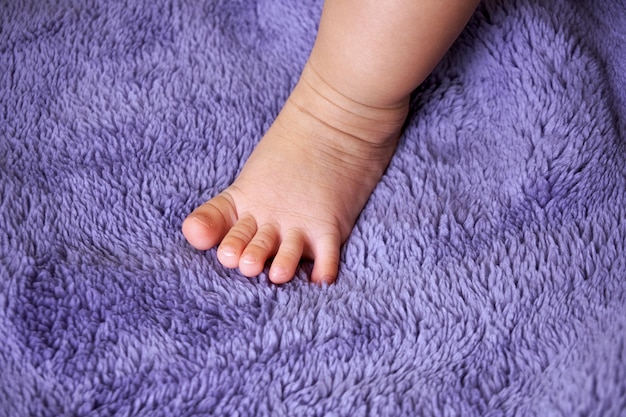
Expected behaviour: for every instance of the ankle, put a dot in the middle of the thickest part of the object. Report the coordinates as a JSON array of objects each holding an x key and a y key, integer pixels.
[{"x": 371, "y": 121}]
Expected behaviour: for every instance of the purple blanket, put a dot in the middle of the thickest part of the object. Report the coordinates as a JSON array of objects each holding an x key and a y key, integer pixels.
[{"x": 486, "y": 276}]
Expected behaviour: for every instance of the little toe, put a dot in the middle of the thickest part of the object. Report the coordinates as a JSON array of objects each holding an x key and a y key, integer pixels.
[
  {"x": 287, "y": 258},
  {"x": 207, "y": 224},
  {"x": 326, "y": 263},
  {"x": 260, "y": 248},
  {"x": 235, "y": 242}
]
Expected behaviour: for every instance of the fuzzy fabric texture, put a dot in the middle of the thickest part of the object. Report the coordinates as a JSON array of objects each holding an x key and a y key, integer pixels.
[{"x": 485, "y": 277}]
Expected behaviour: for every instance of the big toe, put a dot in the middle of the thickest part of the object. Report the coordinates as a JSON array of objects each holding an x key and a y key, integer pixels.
[{"x": 205, "y": 227}]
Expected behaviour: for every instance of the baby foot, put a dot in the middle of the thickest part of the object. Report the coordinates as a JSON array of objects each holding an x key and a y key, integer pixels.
[{"x": 302, "y": 189}]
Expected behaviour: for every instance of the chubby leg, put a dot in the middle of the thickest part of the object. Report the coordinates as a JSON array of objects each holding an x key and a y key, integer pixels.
[{"x": 308, "y": 179}]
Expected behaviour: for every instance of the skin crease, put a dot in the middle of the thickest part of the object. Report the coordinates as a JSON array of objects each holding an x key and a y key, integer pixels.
[{"x": 302, "y": 189}]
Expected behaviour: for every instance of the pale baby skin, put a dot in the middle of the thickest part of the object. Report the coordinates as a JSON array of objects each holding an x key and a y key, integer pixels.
[{"x": 303, "y": 187}]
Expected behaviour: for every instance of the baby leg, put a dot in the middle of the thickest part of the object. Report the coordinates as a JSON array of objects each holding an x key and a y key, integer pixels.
[{"x": 302, "y": 189}]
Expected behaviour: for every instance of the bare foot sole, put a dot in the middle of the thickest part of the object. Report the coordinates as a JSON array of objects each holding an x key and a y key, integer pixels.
[{"x": 303, "y": 187}]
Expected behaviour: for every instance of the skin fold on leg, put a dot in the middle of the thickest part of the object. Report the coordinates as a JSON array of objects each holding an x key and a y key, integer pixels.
[{"x": 303, "y": 187}]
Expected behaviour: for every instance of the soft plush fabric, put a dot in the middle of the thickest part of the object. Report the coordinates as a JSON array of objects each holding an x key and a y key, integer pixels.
[{"x": 486, "y": 276}]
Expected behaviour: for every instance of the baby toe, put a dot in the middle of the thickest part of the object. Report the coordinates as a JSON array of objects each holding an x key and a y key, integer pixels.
[
  {"x": 287, "y": 258},
  {"x": 261, "y": 247},
  {"x": 207, "y": 224},
  {"x": 326, "y": 263},
  {"x": 236, "y": 241}
]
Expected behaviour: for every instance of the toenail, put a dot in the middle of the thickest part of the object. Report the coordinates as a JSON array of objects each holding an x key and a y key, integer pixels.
[
  {"x": 277, "y": 274},
  {"x": 327, "y": 279},
  {"x": 201, "y": 221},
  {"x": 248, "y": 259},
  {"x": 227, "y": 252}
]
